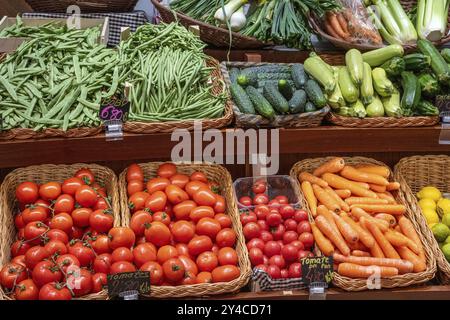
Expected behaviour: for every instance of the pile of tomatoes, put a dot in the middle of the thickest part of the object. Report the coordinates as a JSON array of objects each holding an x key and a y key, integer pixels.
[
  {"x": 183, "y": 234},
  {"x": 278, "y": 236}
]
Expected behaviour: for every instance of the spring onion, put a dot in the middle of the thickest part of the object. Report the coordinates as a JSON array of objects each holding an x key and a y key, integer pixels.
[
  {"x": 224, "y": 13},
  {"x": 432, "y": 19}
]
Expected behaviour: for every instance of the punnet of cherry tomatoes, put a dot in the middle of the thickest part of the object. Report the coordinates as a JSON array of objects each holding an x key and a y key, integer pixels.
[
  {"x": 277, "y": 232},
  {"x": 184, "y": 235}
]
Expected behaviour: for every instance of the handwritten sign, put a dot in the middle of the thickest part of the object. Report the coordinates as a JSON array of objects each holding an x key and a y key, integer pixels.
[
  {"x": 317, "y": 269},
  {"x": 128, "y": 281},
  {"x": 114, "y": 113}
]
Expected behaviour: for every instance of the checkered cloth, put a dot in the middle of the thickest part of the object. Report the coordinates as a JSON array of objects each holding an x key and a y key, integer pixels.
[
  {"x": 116, "y": 21},
  {"x": 266, "y": 283}
]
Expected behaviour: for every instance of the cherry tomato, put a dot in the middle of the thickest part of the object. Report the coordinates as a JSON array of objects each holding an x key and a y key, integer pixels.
[
  {"x": 35, "y": 255},
  {"x": 144, "y": 253},
  {"x": 85, "y": 175},
  {"x": 263, "y": 225},
  {"x": 207, "y": 261},
  {"x": 64, "y": 203},
  {"x": 180, "y": 180},
  {"x": 102, "y": 263},
  {"x": 289, "y": 236},
  {"x": 156, "y": 201},
  {"x": 227, "y": 256},
  {"x": 158, "y": 234},
  {"x": 260, "y": 198},
  {"x": 183, "y": 209},
  {"x": 62, "y": 221},
  {"x": 134, "y": 172},
  {"x": 67, "y": 262},
  {"x": 26, "y": 290},
  {"x": 300, "y": 215},
  {"x": 260, "y": 186},
  {"x": 83, "y": 252},
  {"x": 262, "y": 211},
  {"x": 226, "y": 238},
  {"x": 183, "y": 231},
  {"x": 54, "y": 291},
  {"x": 99, "y": 282},
  {"x": 19, "y": 260},
  {"x": 224, "y": 220},
  {"x": 278, "y": 232},
  {"x": 34, "y": 214},
  {"x": 199, "y": 176},
  {"x": 101, "y": 220},
  {"x": 251, "y": 230},
  {"x": 45, "y": 272},
  {"x": 175, "y": 194},
  {"x": 71, "y": 185},
  {"x": 245, "y": 201},
  {"x": 303, "y": 226},
  {"x": 33, "y": 231},
  {"x": 19, "y": 247},
  {"x": 289, "y": 252},
  {"x": 162, "y": 217},
  {"x": 56, "y": 247},
  {"x": 290, "y": 225},
  {"x": 205, "y": 197},
  {"x": 274, "y": 271},
  {"x": 256, "y": 243},
  {"x": 201, "y": 212},
  {"x": 11, "y": 274},
  {"x": 295, "y": 270},
  {"x": 50, "y": 191},
  {"x": 122, "y": 254},
  {"x": 247, "y": 217},
  {"x": 307, "y": 239},
  {"x": 286, "y": 211},
  {"x": 272, "y": 248},
  {"x": 199, "y": 244},
  {"x": 166, "y": 170},
  {"x": 80, "y": 282},
  {"x": 156, "y": 272},
  {"x": 173, "y": 270},
  {"x": 225, "y": 273},
  {"x": 100, "y": 191},
  {"x": 86, "y": 196},
  {"x": 18, "y": 220},
  {"x": 134, "y": 186},
  {"x": 121, "y": 237},
  {"x": 27, "y": 192},
  {"x": 157, "y": 184},
  {"x": 122, "y": 267},
  {"x": 137, "y": 201},
  {"x": 139, "y": 220},
  {"x": 266, "y": 236},
  {"x": 208, "y": 227}
]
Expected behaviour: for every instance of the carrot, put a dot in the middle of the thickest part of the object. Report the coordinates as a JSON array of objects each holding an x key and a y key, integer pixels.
[
  {"x": 338, "y": 182},
  {"x": 330, "y": 30},
  {"x": 364, "y": 185},
  {"x": 382, "y": 208},
  {"x": 377, "y": 188},
  {"x": 323, "y": 211},
  {"x": 395, "y": 239},
  {"x": 344, "y": 206},
  {"x": 343, "y": 193},
  {"x": 352, "y": 270},
  {"x": 332, "y": 166},
  {"x": 334, "y": 236},
  {"x": 362, "y": 200},
  {"x": 409, "y": 243},
  {"x": 360, "y": 213},
  {"x": 408, "y": 230},
  {"x": 393, "y": 186},
  {"x": 364, "y": 236},
  {"x": 374, "y": 169},
  {"x": 342, "y": 22},
  {"x": 407, "y": 254},
  {"x": 384, "y": 244},
  {"x": 305, "y": 176},
  {"x": 376, "y": 251},
  {"x": 387, "y": 217},
  {"x": 351, "y": 173},
  {"x": 360, "y": 253},
  {"x": 310, "y": 197},
  {"x": 336, "y": 26},
  {"x": 323, "y": 243},
  {"x": 402, "y": 265},
  {"x": 387, "y": 197},
  {"x": 358, "y": 246},
  {"x": 350, "y": 235},
  {"x": 325, "y": 198}
]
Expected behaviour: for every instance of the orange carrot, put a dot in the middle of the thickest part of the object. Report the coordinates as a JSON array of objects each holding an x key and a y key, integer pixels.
[
  {"x": 352, "y": 270},
  {"x": 360, "y": 253},
  {"x": 377, "y": 188},
  {"x": 350, "y": 235},
  {"x": 409, "y": 243},
  {"x": 305, "y": 176},
  {"x": 393, "y": 186},
  {"x": 379, "y": 170},
  {"x": 325, "y": 198},
  {"x": 343, "y": 23},
  {"x": 343, "y": 193},
  {"x": 310, "y": 197},
  {"x": 358, "y": 246},
  {"x": 395, "y": 239},
  {"x": 382, "y": 208},
  {"x": 351, "y": 173},
  {"x": 376, "y": 251},
  {"x": 361, "y": 200},
  {"x": 364, "y": 185},
  {"x": 387, "y": 197},
  {"x": 330, "y": 30},
  {"x": 338, "y": 182},
  {"x": 387, "y": 217},
  {"x": 364, "y": 236},
  {"x": 384, "y": 244},
  {"x": 334, "y": 236},
  {"x": 344, "y": 206},
  {"x": 332, "y": 166},
  {"x": 397, "y": 228},
  {"x": 323, "y": 243},
  {"x": 407, "y": 254},
  {"x": 402, "y": 265},
  {"x": 336, "y": 26},
  {"x": 408, "y": 230},
  {"x": 323, "y": 211},
  {"x": 360, "y": 213}
]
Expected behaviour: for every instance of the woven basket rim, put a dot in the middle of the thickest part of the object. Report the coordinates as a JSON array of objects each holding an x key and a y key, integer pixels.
[{"x": 382, "y": 122}]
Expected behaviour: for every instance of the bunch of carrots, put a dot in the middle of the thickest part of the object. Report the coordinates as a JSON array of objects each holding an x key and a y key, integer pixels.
[{"x": 358, "y": 221}]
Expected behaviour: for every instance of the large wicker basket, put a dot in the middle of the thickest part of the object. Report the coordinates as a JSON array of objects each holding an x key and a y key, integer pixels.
[
  {"x": 397, "y": 281},
  {"x": 300, "y": 120},
  {"x": 414, "y": 173},
  {"x": 170, "y": 126},
  {"x": 42, "y": 174},
  {"x": 382, "y": 122},
  {"x": 216, "y": 36},
  {"x": 86, "y": 6},
  {"x": 220, "y": 175}
]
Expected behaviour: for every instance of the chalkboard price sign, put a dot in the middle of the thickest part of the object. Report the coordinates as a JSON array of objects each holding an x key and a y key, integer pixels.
[
  {"x": 128, "y": 281},
  {"x": 317, "y": 269},
  {"x": 112, "y": 112}
]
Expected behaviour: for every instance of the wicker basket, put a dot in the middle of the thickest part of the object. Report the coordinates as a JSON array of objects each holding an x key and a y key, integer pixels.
[
  {"x": 220, "y": 175},
  {"x": 216, "y": 36},
  {"x": 317, "y": 26},
  {"x": 42, "y": 174},
  {"x": 300, "y": 120},
  {"x": 170, "y": 126},
  {"x": 416, "y": 172},
  {"x": 86, "y": 6},
  {"x": 382, "y": 122},
  {"x": 397, "y": 281}
]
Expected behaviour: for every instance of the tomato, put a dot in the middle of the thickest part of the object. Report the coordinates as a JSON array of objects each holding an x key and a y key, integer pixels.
[
  {"x": 157, "y": 184},
  {"x": 71, "y": 185},
  {"x": 193, "y": 186},
  {"x": 122, "y": 267},
  {"x": 183, "y": 231},
  {"x": 201, "y": 212},
  {"x": 277, "y": 260},
  {"x": 226, "y": 238},
  {"x": 208, "y": 227},
  {"x": 122, "y": 254},
  {"x": 137, "y": 201},
  {"x": 295, "y": 270},
  {"x": 62, "y": 221},
  {"x": 199, "y": 244},
  {"x": 42, "y": 204},
  {"x": 134, "y": 172},
  {"x": 256, "y": 256},
  {"x": 156, "y": 201},
  {"x": 251, "y": 230},
  {"x": 85, "y": 175},
  {"x": 158, "y": 234},
  {"x": 45, "y": 272},
  {"x": 189, "y": 279},
  {"x": 21, "y": 234},
  {"x": 261, "y": 211},
  {"x": 266, "y": 236},
  {"x": 263, "y": 225},
  {"x": 86, "y": 196},
  {"x": 139, "y": 220},
  {"x": 64, "y": 203},
  {"x": 173, "y": 270},
  {"x": 278, "y": 232},
  {"x": 80, "y": 217},
  {"x": 55, "y": 247},
  {"x": 274, "y": 271},
  {"x": 207, "y": 261},
  {"x": 307, "y": 239},
  {"x": 11, "y": 274},
  {"x": 34, "y": 214},
  {"x": 101, "y": 204},
  {"x": 166, "y": 170},
  {"x": 83, "y": 253},
  {"x": 224, "y": 220},
  {"x": 227, "y": 256},
  {"x": 282, "y": 199},
  {"x": 100, "y": 191},
  {"x": 274, "y": 219},
  {"x": 134, "y": 186},
  {"x": 162, "y": 217},
  {"x": 26, "y": 290},
  {"x": 259, "y": 186},
  {"x": 156, "y": 272},
  {"x": 286, "y": 211},
  {"x": 189, "y": 265},
  {"x": 180, "y": 180},
  {"x": 290, "y": 225},
  {"x": 256, "y": 243},
  {"x": 165, "y": 253},
  {"x": 19, "y": 248},
  {"x": 245, "y": 201},
  {"x": 102, "y": 263},
  {"x": 99, "y": 282},
  {"x": 183, "y": 249},
  {"x": 54, "y": 291},
  {"x": 289, "y": 252},
  {"x": 303, "y": 226},
  {"x": 289, "y": 236},
  {"x": 121, "y": 237},
  {"x": 144, "y": 253},
  {"x": 18, "y": 220},
  {"x": 101, "y": 221},
  {"x": 205, "y": 197},
  {"x": 175, "y": 194},
  {"x": 221, "y": 205},
  {"x": 261, "y": 267},
  {"x": 298, "y": 244},
  {"x": 199, "y": 176},
  {"x": 80, "y": 282},
  {"x": 272, "y": 248},
  {"x": 225, "y": 273},
  {"x": 50, "y": 191},
  {"x": 300, "y": 215},
  {"x": 27, "y": 192},
  {"x": 183, "y": 209},
  {"x": 78, "y": 233},
  {"x": 56, "y": 234},
  {"x": 67, "y": 262},
  {"x": 247, "y": 217},
  {"x": 33, "y": 231},
  {"x": 260, "y": 198},
  {"x": 19, "y": 260},
  {"x": 303, "y": 254}
]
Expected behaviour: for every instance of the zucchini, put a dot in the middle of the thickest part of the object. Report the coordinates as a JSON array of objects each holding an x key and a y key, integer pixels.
[
  {"x": 445, "y": 53},
  {"x": 241, "y": 99},
  {"x": 354, "y": 62},
  {"x": 392, "y": 104},
  {"x": 376, "y": 58},
  {"x": 315, "y": 94},
  {"x": 394, "y": 67},
  {"x": 336, "y": 99},
  {"x": 411, "y": 93},
  {"x": 345, "y": 111},
  {"x": 297, "y": 102},
  {"x": 321, "y": 71},
  {"x": 426, "y": 108},
  {"x": 276, "y": 99},
  {"x": 349, "y": 91},
  {"x": 438, "y": 64},
  {"x": 262, "y": 106},
  {"x": 299, "y": 75},
  {"x": 234, "y": 74},
  {"x": 375, "y": 109},
  {"x": 286, "y": 89},
  {"x": 383, "y": 86},
  {"x": 367, "y": 85},
  {"x": 429, "y": 85},
  {"x": 310, "y": 107},
  {"x": 357, "y": 110},
  {"x": 417, "y": 62}
]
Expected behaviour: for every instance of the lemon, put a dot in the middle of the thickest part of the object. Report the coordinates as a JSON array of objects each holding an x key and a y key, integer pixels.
[
  {"x": 446, "y": 251},
  {"x": 441, "y": 232},
  {"x": 443, "y": 206},
  {"x": 429, "y": 193},
  {"x": 446, "y": 219},
  {"x": 431, "y": 216},
  {"x": 427, "y": 203}
]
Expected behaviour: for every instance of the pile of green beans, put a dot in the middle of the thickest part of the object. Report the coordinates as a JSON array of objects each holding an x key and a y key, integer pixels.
[{"x": 57, "y": 79}]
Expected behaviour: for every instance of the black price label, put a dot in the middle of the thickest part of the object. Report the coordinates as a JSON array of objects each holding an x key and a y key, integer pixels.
[
  {"x": 128, "y": 281},
  {"x": 317, "y": 269},
  {"x": 110, "y": 112}
]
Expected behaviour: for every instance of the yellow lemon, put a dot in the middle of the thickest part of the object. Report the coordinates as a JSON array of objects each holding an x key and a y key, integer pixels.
[
  {"x": 431, "y": 216},
  {"x": 443, "y": 206},
  {"x": 429, "y": 193},
  {"x": 427, "y": 204}
]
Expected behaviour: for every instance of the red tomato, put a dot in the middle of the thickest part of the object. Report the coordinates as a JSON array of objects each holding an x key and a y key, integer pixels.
[
  {"x": 221, "y": 205},
  {"x": 71, "y": 185},
  {"x": 18, "y": 220},
  {"x": 50, "y": 191},
  {"x": 274, "y": 219},
  {"x": 33, "y": 231},
  {"x": 167, "y": 170},
  {"x": 156, "y": 272},
  {"x": 277, "y": 260},
  {"x": 158, "y": 234},
  {"x": 247, "y": 217},
  {"x": 205, "y": 197},
  {"x": 290, "y": 225},
  {"x": 251, "y": 230},
  {"x": 245, "y": 201},
  {"x": 77, "y": 233},
  {"x": 289, "y": 236},
  {"x": 286, "y": 211},
  {"x": 19, "y": 260},
  {"x": 256, "y": 256},
  {"x": 11, "y": 274},
  {"x": 303, "y": 254},
  {"x": 188, "y": 279},
  {"x": 35, "y": 255},
  {"x": 83, "y": 253},
  {"x": 201, "y": 212},
  {"x": 26, "y": 290},
  {"x": 56, "y": 234},
  {"x": 62, "y": 221},
  {"x": 27, "y": 192},
  {"x": 193, "y": 186},
  {"x": 260, "y": 198},
  {"x": 300, "y": 215},
  {"x": 86, "y": 196},
  {"x": 274, "y": 271},
  {"x": 183, "y": 209},
  {"x": 278, "y": 232},
  {"x": 137, "y": 201},
  {"x": 121, "y": 237},
  {"x": 99, "y": 282},
  {"x": 156, "y": 201},
  {"x": 139, "y": 220},
  {"x": 263, "y": 225},
  {"x": 162, "y": 217},
  {"x": 85, "y": 175},
  {"x": 134, "y": 172},
  {"x": 176, "y": 195},
  {"x": 45, "y": 272},
  {"x": 298, "y": 244},
  {"x": 21, "y": 234},
  {"x": 64, "y": 203},
  {"x": 207, "y": 261},
  {"x": 182, "y": 249},
  {"x": 295, "y": 270},
  {"x": 226, "y": 238},
  {"x": 215, "y": 249},
  {"x": 101, "y": 204},
  {"x": 261, "y": 267},
  {"x": 173, "y": 270},
  {"x": 34, "y": 214},
  {"x": 43, "y": 204},
  {"x": 208, "y": 227},
  {"x": 227, "y": 256},
  {"x": 284, "y": 274},
  {"x": 122, "y": 254},
  {"x": 256, "y": 243},
  {"x": 67, "y": 262},
  {"x": 56, "y": 247},
  {"x": 102, "y": 263},
  {"x": 199, "y": 244},
  {"x": 80, "y": 217},
  {"x": 101, "y": 220},
  {"x": 122, "y": 267},
  {"x": 183, "y": 231},
  {"x": 282, "y": 199},
  {"x": 272, "y": 248},
  {"x": 289, "y": 252},
  {"x": 157, "y": 184},
  {"x": 262, "y": 211},
  {"x": 260, "y": 186},
  {"x": 134, "y": 186},
  {"x": 266, "y": 236},
  {"x": 307, "y": 239},
  {"x": 165, "y": 253},
  {"x": 199, "y": 176},
  {"x": 180, "y": 180},
  {"x": 204, "y": 277},
  {"x": 223, "y": 219},
  {"x": 303, "y": 226},
  {"x": 274, "y": 204},
  {"x": 80, "y": 283},
  {"x": 225, "y": 273},
  {"x": 54, "y": 291},
  {"x": 144, "y": 253}
]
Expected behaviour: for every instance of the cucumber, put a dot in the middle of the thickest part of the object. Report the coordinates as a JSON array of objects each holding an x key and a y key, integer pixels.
[
  {"x": 270, "y": 68},
  {"x": 262, "y": 106},
  {"x": 241, "y": 99},
  {"x": 286, "y": 89},
  {"x": 276, "y": 99},
  {"x": 243, "y": 80},
  {"x": 349, "y": 91},
  {"x": 355, "y": 65},
  {"x": 273, "y": 76},
  {"x": 445, "y": 53},
  {"x": 234, "y": 74},
  {"x": 310, "y": 107},
  {"x": 315, "y": 94},
  {"x": 416, "y": 62},
  {"x": 438, "y": 63},
  {"x": 411, "y": 93},
  {"x": 299, "y": 75},
  {"x": 298, "y": 102}
]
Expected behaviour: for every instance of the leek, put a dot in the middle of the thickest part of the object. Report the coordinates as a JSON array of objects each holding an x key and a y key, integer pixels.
[
  {"x": 223, "y": 14},
  {"x": 432, "y": 19}
]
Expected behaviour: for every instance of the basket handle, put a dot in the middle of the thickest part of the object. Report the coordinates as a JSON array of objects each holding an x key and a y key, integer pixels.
[{"x": 85, "y": 3}]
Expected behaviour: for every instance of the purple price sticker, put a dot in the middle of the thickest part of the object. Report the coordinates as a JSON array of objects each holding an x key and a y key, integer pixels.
[{"x": 111, "y": 112}]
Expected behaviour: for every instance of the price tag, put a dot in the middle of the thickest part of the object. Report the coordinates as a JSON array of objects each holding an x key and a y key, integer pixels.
[
  {"x": 444, "y": 136},
  {"x": 317, "y": 270},
  {"x": 114, "y": 113},
  {"x": 124, "y": 284}
]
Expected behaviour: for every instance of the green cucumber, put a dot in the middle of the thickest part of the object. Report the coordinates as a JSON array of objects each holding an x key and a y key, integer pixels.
[
  {"x": 262, "y": 106},
  {"x": 276, "y": 99},
  {"x": 310, "y": 107},
  {"x": 234, "y": 74},
  {"x": 241, "y": 99},
  {"x": 438, "y": 63},
  {"x": 315, "y": 94},
  {"x": 298, "y": 102},
  {"x": 299, "y": 75},
  {"x": 243, "y": 80},
  {"x": 285, "y": 88},
  {"x": 411, "y": 93},
  {"x": 270, "y": 68}
]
